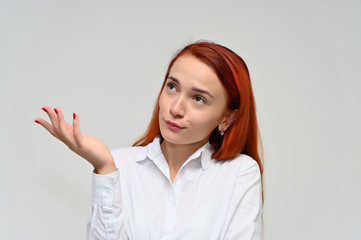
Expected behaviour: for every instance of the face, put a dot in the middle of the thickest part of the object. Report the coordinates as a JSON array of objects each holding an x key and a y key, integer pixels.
[{"x": 192, "y": 103}]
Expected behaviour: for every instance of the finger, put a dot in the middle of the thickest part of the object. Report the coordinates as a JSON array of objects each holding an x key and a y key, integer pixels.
[
  {"x": 76, "y": 128},
  {"x": 64, "y": 132},
  {"x": 47, "y": 126},
  {"x": 52, "y": 116},
  {"x": 69, "y": 127}
]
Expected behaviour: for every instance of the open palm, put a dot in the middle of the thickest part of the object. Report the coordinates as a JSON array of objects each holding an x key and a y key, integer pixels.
[{"x": 86, "y": 146}]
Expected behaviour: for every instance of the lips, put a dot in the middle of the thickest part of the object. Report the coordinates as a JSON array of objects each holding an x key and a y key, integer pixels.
[{"x": 173, "y": 125}]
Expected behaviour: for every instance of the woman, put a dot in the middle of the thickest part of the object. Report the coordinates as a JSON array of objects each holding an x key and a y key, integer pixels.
[{"x": 196, "y": 172}]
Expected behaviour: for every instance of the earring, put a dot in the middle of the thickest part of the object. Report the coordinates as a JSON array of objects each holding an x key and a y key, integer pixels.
[{"x": 221, "y": 132}]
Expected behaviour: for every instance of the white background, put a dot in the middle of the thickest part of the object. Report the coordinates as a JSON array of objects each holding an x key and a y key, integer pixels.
[{"x": 106, "y": 60}]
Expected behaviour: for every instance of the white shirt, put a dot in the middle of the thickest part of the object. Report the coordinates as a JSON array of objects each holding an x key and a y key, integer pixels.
[{"x": 209, "y": 199}]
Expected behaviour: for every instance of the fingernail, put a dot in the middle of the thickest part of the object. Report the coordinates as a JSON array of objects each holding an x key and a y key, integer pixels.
[
  {"x": 74, "y": 115},
  {"x": 36, "y": 121},
  {"x": 44, "y": 109},
  {"x": 56, "y": 111}
]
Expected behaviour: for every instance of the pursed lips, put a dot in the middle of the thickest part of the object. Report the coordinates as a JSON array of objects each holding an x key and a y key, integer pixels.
[{"x": 173, "y": 124}]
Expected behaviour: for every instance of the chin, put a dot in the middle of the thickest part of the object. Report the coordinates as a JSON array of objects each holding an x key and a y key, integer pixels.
[
  {"x": 170, "y": 137},
  {"x": 174, "y": 138}
]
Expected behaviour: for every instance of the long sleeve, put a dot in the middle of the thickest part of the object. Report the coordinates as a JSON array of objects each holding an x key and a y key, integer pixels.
[
  {"x": 246, "y": 222},
  {"x": 106, "y": 222}
]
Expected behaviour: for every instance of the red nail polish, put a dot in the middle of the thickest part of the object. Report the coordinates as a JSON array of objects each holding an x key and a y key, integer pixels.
[
  {"x": 56, "y": 111},
  {"x": 74, "y": 115},
  {"x": 44, "y": 109},
  {"x": 36, "y": 121}
]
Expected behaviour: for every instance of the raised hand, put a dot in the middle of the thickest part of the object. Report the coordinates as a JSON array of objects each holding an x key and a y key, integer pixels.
[{"x": 88, "y": 147}]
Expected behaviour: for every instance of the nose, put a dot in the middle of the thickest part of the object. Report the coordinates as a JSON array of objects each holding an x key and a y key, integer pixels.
[{"x": 177, "y": 107}]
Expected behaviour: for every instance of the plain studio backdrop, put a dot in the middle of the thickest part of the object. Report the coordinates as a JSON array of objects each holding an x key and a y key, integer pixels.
[{"x": 106, "y": 60}]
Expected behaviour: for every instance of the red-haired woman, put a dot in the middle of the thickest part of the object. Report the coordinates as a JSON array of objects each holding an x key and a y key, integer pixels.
[{"x": 196, "y": 173}]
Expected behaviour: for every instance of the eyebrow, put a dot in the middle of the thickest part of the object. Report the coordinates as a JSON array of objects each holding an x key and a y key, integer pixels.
[{"x": 193, "y": 89}]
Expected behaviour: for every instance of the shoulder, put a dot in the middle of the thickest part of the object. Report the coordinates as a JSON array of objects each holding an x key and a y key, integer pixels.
[
  {"x": 240, "y": 166},
  {"x": 120, "y": 152},
  {"x": 125, "y": 155},
  {"x": 137, "y": 153},
  {"x": 246, "y": 165},
  {"x": 248, "y": 179}
]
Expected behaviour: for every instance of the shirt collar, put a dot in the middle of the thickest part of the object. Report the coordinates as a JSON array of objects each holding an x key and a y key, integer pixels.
[{"x": 153, "y": 152}]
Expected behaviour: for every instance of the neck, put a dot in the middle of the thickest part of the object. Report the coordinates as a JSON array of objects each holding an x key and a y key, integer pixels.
[{"x": 177, "y": 154}]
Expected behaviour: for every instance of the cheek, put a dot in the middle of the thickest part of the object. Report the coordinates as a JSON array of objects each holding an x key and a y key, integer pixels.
[
  {"x": 206, "y": 120},
  {"x": 161, "y": 103}
]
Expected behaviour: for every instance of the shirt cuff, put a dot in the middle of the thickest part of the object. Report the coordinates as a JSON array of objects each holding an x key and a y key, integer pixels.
[{"x": 105, "y": 188}]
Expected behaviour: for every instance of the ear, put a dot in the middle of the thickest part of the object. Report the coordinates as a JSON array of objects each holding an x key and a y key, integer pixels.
[{"x": 228, "y": 120}]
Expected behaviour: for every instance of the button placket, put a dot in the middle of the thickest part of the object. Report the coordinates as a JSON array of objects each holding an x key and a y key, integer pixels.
[{"x": 171, "y": 213}]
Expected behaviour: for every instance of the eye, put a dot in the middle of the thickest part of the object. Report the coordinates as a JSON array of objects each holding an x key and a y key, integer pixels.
[
  {"x": 199, "y": 99},
  {"x": 171, "y": 86}
]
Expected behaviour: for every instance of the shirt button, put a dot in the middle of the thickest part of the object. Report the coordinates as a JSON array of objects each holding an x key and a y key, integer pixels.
[
  {"x": 107, "y": 190},
  {"x": 171, "y": 199}
]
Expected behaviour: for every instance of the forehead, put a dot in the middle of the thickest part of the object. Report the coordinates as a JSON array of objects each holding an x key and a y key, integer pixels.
[{"x": 191, "y": 71}]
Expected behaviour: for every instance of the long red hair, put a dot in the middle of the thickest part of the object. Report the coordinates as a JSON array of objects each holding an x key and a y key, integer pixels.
[{"x": 243, "y": 135}]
